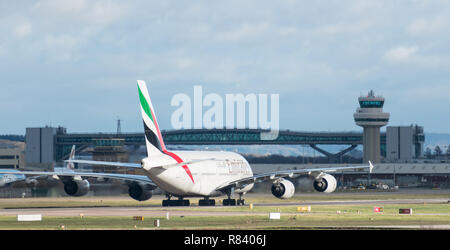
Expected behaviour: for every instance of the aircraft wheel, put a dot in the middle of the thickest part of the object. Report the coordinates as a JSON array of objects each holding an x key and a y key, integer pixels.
[
  {"x": 206, "y": 202},
  {"x": 240, "y": 202},
  {"x": 229, "y": 202}
]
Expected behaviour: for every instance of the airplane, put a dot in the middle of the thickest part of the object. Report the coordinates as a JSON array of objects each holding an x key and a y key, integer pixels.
[
  {"x": 185, "y": 174},
  {"x": 10, "y": 176}
]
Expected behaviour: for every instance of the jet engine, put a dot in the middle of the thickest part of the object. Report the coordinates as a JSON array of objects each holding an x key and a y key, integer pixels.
[
  {"x": 140, "y": 192},
  {"x": 283, "y": 189},
  {"x": 76, "y": 187},
  {"x": 326, "y": 184},
  {"x": 31, "y": 183}
]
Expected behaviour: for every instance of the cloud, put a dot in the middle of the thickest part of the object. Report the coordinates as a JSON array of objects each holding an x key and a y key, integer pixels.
[
  {"x": 59, "y": 31},
  {"x": 91, "y": 12},
  {"x": 66, "y": 6},
  {"x": 22, "y": 30},
  {"x": 306, "y": 51},
  {"x": 343, "y": 28},
  {"x": 184, "y": 63},
  {"x": 245, "y": 31},
  {"x": 422, "y": 59},
  {"x": 428, "y": 26},
  {"x": 402, "y": 54}
]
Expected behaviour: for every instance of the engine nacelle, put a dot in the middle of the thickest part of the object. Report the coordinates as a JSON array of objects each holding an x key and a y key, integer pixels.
[
  {"x": 140, "y": 192},
  {"x": 326, "y": 184},
  {"x": 31, "y": 183},
  {"x": 76, "y": 187},
  {"x": 283, "y": 189}
]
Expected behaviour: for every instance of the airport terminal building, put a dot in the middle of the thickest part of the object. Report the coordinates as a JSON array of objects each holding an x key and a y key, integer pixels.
[
  {"x": 397, "y": 154},
  {"x": 403, "y": 175},
  {"x": 402, "y": 146}
]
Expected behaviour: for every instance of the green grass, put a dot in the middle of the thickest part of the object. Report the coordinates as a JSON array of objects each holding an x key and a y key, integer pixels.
[
  {"x": 126, "y": 201},
  {"x": 229, "y": 222},
  {"x": 321, "y": 216}
]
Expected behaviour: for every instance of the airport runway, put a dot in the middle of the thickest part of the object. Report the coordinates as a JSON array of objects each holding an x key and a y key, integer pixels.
[{"x": 193, "y": 210}]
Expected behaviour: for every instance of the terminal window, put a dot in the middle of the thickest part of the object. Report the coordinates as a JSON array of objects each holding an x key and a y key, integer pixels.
[
  {"x": 7, "y": 166},
  {"x": 7, "y": 157}
]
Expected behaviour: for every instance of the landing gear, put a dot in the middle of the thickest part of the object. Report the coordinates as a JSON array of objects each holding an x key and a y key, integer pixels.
[
  {"x": 175, "y": 203},
  {"x": 241, "y": 201},
  {"x": 232, "y": 202},
  {"x": 229, "y": 202},
  {"x": 179, "y": 202},
  {"x": 207, "y": 202}
]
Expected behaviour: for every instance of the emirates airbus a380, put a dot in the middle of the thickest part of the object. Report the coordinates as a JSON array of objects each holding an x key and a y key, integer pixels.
[{"x": 206, "y": 174}]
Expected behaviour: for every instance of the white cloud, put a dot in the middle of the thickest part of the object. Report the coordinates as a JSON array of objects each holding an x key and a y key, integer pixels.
[
  {"x": 22, "y": 30},
  {"x": 244, "y": 31},
  {"x": 66, "y": 6},
  {"x": 105, "y": 12},
  {"x": 425, "y": 59},
  {"x": 300, "y": 49},
  {"x": 344, "y": 27},
  {"x": 287, "y": 30},
  {"x": 184, "y": 63},
  {"x": 59, "y": 48},
  {"x": 431, "y": 25},
  {"x": 401, "y": 54},
  {"x": 80, "y": 12},
  {"x": 431, "y": 92}
]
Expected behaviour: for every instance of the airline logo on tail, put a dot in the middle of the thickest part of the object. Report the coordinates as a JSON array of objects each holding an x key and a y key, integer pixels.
[{"x": 153, "y": 138}]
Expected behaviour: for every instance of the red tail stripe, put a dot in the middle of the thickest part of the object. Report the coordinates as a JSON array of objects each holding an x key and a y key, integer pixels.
[
  {"x": 178, "y": 159},
  {"x": 161, "y": 141}
]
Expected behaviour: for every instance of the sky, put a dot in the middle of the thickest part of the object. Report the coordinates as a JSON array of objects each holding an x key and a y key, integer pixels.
[{"x": 75, "y": 63}]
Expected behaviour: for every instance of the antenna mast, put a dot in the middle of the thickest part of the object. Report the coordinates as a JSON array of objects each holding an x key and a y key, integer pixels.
[{"x": 119, "y": 127}]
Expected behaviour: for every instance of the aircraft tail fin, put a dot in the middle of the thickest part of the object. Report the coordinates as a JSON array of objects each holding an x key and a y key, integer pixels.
[
  {"x": 153, "y": 138},
  {"x": 70, "y": 165},
  {"x": 370, "y": 167}
]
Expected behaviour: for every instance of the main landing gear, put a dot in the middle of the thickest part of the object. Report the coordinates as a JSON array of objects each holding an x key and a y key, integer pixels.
[
  {"x": 180, "y": 202},
  {"x": 207, "y": 202},
  {"x": 233, "y": 202},
  {"x": 204, "y": 202}
]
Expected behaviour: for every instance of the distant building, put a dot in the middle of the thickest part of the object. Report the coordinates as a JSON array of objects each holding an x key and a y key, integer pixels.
[
  {"x": 404, "y": 143},
  {"x": 423, "y": 175},
  {"x": 11, "y": 158},
  {"x": 40, "y": 151},
  {"x": 109, "y": 150}
]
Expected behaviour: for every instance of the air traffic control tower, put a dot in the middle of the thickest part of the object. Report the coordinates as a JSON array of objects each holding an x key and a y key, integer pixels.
[{"x": 371, "y": 117}]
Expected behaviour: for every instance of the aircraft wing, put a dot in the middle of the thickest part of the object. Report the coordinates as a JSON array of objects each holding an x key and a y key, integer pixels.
[
  {"x": 107, "y": 163},
  {"x": 287, "y": 173},
  {"x": 127, "y": 177}
]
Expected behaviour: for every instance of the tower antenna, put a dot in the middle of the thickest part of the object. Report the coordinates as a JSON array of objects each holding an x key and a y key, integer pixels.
[{"x": 119, "y": 127}]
